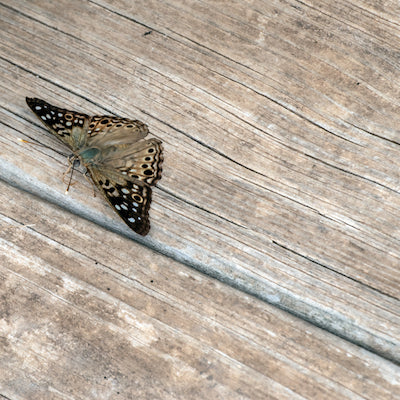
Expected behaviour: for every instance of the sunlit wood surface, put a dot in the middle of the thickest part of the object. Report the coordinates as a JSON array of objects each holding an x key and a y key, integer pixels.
[{"x": 272, "y": 267}]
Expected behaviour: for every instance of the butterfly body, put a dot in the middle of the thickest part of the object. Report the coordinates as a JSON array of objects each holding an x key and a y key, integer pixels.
[
  {"x": 121, "y": 163},
  {"x": 90, "y": 155}
]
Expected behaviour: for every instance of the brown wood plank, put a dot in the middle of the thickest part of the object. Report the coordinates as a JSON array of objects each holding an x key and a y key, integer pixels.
[
  {"x": 280, "y": 127},
  {"x": 297, "y": 205},
  {"x": 88, "y": 314}
]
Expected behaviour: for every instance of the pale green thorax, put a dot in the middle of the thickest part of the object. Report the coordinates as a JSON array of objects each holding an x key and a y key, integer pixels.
[{"x": 90, "y": 155}]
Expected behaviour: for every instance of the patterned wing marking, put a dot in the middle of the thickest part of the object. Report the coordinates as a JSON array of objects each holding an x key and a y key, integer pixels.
[
  {"x": 129, "y": 199},
  {"x": 69, "y": 126},
  {"x": 114, "y": 130},
  {"x": 141, "y": 161}
]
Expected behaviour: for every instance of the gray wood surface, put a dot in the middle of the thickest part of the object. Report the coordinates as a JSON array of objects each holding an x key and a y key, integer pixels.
[{"x": 280, "y": 192}]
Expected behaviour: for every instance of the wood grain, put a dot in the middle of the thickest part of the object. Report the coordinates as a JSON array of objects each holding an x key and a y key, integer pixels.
[
  {"x": 281, "y": 174},
  {"x": 84, "y": 323}
]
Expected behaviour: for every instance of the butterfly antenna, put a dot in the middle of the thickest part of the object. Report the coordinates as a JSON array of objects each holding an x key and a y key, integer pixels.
[
  {"x": 40, "y": 145},
  {"x": 34, "y": 143}
]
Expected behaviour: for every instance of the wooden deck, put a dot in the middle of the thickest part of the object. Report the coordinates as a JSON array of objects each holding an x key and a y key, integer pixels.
[{"x": 272, "y": 268}]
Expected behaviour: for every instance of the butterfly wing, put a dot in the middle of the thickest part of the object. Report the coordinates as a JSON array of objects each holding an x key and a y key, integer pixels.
[
  {"x": 69, "y": 126},
  {"x": 124, "y": 172},
  {"x": 106, "y": 131},
  {"x": 122, "y": 148},
  {"x": 140, "y": 161},
  {"x": 130, "y": 199}
]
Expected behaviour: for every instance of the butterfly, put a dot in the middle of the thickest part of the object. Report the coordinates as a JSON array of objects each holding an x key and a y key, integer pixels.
[{"x": 115, "y": 155}]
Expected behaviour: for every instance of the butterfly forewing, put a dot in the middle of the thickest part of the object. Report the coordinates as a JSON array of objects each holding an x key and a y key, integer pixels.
[
  {"x": 130, "y": 199},
  {"x": 122, "y": 165},
  {"x": 106, "y": 130},
  {"x": 69, "y": 126}
]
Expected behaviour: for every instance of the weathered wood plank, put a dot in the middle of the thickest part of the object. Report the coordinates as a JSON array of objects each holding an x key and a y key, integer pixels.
[
  {"x": 88, "y": 314},
  {"x": 279, "y": 121}
]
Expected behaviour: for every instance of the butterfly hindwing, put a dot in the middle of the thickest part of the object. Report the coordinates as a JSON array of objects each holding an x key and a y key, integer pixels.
[
  {"x": 140, "y": 161},
  {"x": 69, "y": 126}
]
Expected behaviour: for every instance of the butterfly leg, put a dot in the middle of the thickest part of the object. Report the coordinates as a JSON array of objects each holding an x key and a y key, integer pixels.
[
  {"x": 66, "y": 173},
  {"x": 73, "y": 162},
  {"x": 88, "y": 178}
]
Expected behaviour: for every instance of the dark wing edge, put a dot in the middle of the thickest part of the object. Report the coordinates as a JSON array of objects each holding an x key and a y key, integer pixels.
[
  {"x": 131, "y": 201},
  {"x": 60, "y": 121}
]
